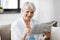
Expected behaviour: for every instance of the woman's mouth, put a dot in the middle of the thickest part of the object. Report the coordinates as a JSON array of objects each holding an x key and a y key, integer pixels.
[{"x": 29, "y": 16}]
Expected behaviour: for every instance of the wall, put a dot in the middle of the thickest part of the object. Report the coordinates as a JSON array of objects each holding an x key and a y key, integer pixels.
[
  {"x": 46, "y": 10},
  {"x": 57, "y": 10},
  {"x": 8, "y": 18}
]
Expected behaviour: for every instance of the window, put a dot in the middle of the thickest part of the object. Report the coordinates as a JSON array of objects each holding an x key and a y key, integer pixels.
[{"x": 10, "y": 5}]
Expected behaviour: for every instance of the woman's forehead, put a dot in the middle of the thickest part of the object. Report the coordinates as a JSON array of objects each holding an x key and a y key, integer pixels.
[{"x": 28, "y": 9}]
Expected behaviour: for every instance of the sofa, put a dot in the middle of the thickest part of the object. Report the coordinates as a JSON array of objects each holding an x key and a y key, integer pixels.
[
  {"x": 5, "y": 30},
  {"x": 55, "y": 33}
]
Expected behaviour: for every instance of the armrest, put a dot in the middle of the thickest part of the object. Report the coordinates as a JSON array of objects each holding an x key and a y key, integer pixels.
[
  {"x": 0, "y": 37},
  {"x": 5, "y": 32}
]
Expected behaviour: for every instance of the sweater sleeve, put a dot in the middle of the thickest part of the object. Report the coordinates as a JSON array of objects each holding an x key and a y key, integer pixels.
[{"x": 15, "y": 34}]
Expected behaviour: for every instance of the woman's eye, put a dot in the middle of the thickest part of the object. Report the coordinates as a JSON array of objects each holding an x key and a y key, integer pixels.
[
  {"x": 27, "y": 11},
  {"x": 32, "y": 12}
]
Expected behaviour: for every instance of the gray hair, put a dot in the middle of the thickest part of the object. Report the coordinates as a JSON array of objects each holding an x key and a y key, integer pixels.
[{"x": 28, "y": 5}]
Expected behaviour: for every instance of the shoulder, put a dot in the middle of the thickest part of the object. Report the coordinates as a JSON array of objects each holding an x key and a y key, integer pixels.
[{"x": 16, "y": 23}]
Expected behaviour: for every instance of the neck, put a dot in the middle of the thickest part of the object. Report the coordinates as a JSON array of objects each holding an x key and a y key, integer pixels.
[{"x": 26, "y": 21}]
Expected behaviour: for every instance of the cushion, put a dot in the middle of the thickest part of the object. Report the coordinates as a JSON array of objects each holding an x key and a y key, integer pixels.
[
  {"x": 5, "y": 32},
  {"x": 55, "y": 33}
]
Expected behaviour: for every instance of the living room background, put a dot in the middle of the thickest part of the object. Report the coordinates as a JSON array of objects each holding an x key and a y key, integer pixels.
[{"x": 46, "y": 11}]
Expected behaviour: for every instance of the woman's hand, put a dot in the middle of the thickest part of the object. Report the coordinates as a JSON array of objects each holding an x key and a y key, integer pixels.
[
  {"x": 47, "y": 35},
  {"x": 27, "y": 31}
]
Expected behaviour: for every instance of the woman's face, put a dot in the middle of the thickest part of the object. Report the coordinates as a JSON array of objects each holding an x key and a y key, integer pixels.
[{"x": 28, "y": 13}]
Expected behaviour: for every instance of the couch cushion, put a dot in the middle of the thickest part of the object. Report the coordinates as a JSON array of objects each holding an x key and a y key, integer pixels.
[
  {"x": 55, "y": 33},
  {"x": 5, "y": 31}
]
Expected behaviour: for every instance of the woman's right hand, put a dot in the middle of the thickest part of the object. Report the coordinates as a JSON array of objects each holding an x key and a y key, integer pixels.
[{"x": 27, "y": 31}]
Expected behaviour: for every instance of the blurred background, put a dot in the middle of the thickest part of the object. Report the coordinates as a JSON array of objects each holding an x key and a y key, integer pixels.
[{"x": 46, "y": 10}]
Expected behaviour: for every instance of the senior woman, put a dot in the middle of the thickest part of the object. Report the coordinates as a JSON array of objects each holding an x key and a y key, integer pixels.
[{"x": 21, "y": 28}]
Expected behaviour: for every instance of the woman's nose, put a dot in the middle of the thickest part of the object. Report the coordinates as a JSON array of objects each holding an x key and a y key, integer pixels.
[{"x": 29, "y": 14}]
